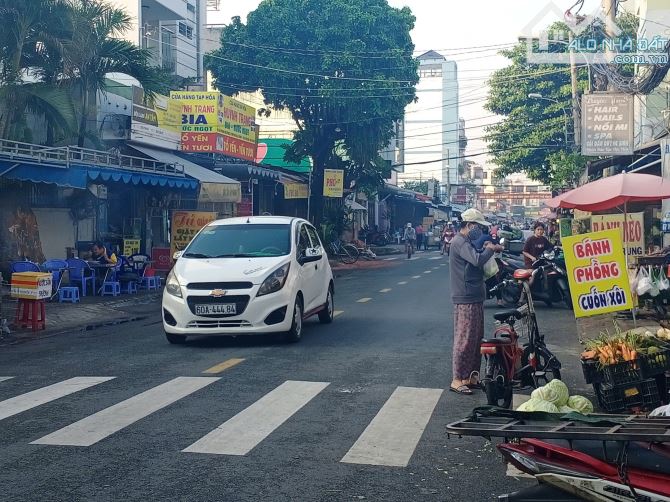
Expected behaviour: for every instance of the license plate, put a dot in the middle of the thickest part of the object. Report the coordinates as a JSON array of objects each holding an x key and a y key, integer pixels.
[{"x": 216, "y": 308}]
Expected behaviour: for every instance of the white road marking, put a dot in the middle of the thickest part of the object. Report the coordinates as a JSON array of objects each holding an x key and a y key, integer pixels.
[
  {"x": 243, "y": 432},
  {"x": 338, "y": 312},
  {"x": 98, "y": 426},
  {"x": 416, "y": 277},
  {"x": 391, "y": 258},
  {"x": 436, "y": 257},
  {"x": 385, "y": 290},
  {"x": 2, "y": 379},
  {"x": 402, "y": 282},
  {"x": 37, "y": 397},
  {"x": 427, "y": 271},
  {"x": 363, "y": 300},
  {"x": 391, "y": 438}
]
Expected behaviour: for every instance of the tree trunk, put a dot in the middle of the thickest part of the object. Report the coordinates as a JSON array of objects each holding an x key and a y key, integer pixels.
[
  {"x": 316, "y": 199},
  {"x": 81, "y": 136}
]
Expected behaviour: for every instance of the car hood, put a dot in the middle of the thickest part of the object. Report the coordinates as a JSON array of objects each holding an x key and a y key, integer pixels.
[{"x": 189, "y": 270}]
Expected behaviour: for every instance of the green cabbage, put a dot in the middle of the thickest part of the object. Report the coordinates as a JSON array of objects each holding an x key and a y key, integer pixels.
[
  {"x": 538, "y": 405},
  {"x": 561, "y": 389},
  {"x": 580, "y": 404},
  {"x": 566, "y": 409},
  {"x": 545, "y": 393}
]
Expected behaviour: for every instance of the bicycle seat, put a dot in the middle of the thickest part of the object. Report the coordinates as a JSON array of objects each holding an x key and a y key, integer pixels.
[
  {"x": 523, "y": 274},
  {"x": 507, "y": 314}
]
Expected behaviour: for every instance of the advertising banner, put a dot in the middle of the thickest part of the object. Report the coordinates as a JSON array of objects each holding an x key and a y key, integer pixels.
[
  {"x": 597, "y": 273},
  {"x": 131, "y": 247},
  {"x": 161, "y": 258},
  {"x": 185, "y": 224},
  {"x": 632, "y": 234},
  {"x": 238, "y": 148},
  {"x": 333, "y": 182},
  {"x": 154, "y": 123},
  {"x": 607, "y": 124},
  {"x": 201, "y": 142},
  {"x": 296, "y": 191},
  {"x": 198, "y": 111},
  {"x": 237, "y": 119}
]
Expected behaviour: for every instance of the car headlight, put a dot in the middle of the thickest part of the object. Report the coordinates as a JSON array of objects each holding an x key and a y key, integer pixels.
[
  {"x": 172, "y": 285},
  {"x": 275, "y": 281}
]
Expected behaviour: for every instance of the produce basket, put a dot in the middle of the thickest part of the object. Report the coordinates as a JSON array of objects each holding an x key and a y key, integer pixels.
[
  {"x": 621, "y": 373},
  {"x": 640, "y": 396},
  {"x": 655, "y": 364},
  {"x": 591, "y": 370}
]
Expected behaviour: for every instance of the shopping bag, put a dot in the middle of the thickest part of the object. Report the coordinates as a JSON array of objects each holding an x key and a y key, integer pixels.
[
  {"x": 655, "y": 290},
  {"x": 663, "y": 282},
  {"x": 643, "y": 282},
  {"x": 490, "y": 268}
]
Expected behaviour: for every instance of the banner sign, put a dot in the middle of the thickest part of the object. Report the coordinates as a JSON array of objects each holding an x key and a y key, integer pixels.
[
  {"x": 237, "y": 119},
  {"x": 333, "y": 182},
  {"x": 607, "y": 124},
  {"x": 161, "y": 258},
  {"x": 597, "y": 273},
  {"x": 632, "y": 234},
  {"x": 296, "y": 191},
  {"x": 131, "y": 247},
  {"x": 154, "y": 124},
  {"x": 185, "y": 224}
]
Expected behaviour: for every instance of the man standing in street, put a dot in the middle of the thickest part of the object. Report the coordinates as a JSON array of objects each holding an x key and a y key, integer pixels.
[
  {"x": 468, "y": 294},
  {"x": 419, "y": 236}
]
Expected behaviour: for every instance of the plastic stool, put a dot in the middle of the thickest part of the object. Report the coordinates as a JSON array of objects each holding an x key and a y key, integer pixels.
[
  {"x": 68, "y": 294},
  {"x": 111, "y": 288},
  {"x": 131, "y": 288},
  {"x": 150, "y": 283},
  {"x": 31, "y": 313}
]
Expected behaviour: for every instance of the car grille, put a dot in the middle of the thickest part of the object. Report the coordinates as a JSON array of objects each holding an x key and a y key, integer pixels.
[
  {"x": 208, "y": 286},
  {"x": 218, "y": 324},
  {"x": 241, "y": 301}
]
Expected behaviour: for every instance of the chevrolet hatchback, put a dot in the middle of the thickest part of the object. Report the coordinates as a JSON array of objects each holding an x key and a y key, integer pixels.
[{"x": 245, "y": 276}]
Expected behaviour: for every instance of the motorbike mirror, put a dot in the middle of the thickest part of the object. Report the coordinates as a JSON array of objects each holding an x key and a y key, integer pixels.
[{"x": 503, "y": 241}]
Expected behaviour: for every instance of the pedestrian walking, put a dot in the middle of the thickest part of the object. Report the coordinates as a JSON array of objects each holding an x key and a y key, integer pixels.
[
  {"x": 468, "y": 294},
  {"x": 419, "y": 236}
]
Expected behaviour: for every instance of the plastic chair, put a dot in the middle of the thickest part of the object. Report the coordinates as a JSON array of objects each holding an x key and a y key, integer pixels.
[
  {"x": 139, "y": 262},
  {"x": 149, "y": 280},
  {"x": 25, "y": 266},
  {"x": 68, "y": 294},
  {"x": 56, "y": 267},
  {"x": 80, "y": 272}
]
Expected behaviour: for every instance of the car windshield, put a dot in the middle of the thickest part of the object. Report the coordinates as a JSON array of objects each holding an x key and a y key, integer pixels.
[{"x": 240, "y": 241}]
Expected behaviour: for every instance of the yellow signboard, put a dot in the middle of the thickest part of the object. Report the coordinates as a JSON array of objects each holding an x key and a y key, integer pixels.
[
  {"x": 597, "y": 273},
  {"x": 131, "y": 247},
  {"x": 198, "y": 111},
  {"x": 296, "y": 191},
  {"x": 236, "y": 119},
  {"x": 333, "y": 182},
  {"x": 633, "y": 224},
  {"x": 185, "y": 224}
]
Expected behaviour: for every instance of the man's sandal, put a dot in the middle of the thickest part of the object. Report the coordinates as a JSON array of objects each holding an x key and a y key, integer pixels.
[{"x": 461, "y": 389}]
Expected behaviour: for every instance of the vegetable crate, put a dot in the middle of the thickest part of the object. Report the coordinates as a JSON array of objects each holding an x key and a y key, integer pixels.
[
  {"x": 642, "y": 396},
  {"x": 592, "y": 373},
  {"x": 621, "y": 373},
  {"x": 656, "y": 363}
]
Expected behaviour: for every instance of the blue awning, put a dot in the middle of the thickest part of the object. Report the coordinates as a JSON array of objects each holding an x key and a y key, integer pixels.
[{"x": 77, "y": 176}]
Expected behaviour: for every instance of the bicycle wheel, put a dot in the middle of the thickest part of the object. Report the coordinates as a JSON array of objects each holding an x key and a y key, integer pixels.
[
  {"x": 496, "y": 386},
  {"x": 349, "y": 254}
]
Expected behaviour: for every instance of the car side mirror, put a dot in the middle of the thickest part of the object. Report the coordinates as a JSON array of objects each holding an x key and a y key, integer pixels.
[
  {"x": 311, "y": 255},
  {"x": 177, "y": 255}
]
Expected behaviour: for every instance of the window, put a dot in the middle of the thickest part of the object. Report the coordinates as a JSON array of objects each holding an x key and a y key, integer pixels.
[
  {"x": 517, "y": 202},
  {"x": 190, "y": 7},
  {"x": 240, "y": 241},
  {"x": 314, "y": 236},
  {"x": 533, "y": 189},
  {"x": 517, "y": 189},
  {"x": 303, "y": 240},
  {"x": 186, "y": 30},
  {"x": 485, "y": 175}
]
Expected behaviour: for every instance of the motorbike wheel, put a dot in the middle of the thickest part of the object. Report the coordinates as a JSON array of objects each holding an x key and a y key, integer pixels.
[
  {"x": 547, "y": 371},
  {"x": 497, "y": 388}
]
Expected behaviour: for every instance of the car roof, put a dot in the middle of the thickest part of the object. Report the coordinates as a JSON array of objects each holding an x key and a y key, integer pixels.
[{"x": 256, "y": 220}]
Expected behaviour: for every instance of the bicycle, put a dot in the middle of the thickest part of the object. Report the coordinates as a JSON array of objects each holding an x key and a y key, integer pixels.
[
  {"x": 346, "y": 253},
  {"x": 409, "y": 248},
  {"x": 509, "y": 365}
]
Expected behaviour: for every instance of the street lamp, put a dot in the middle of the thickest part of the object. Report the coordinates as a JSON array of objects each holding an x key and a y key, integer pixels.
[{"x": 537, "y": 95}]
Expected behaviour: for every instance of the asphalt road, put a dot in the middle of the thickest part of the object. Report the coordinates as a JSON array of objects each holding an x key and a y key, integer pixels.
[{"x": 355, "y": 411}]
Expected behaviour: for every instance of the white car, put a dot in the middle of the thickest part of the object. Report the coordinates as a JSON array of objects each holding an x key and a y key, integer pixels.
[{"x": 251, "y": 275}]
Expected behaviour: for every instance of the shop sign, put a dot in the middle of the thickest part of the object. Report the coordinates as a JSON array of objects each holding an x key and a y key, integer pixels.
[
  {"x": 31, "y": 285},
  {"x": 607, "y": 124},
  {"x": 131, "y": 247},
  {"x": 245, "y": 206},
  {"x": 185, "y": 224},
  {"x": 597, "y": 273},
  {"x": 161, "y": 258},
  {"x": 632, "y": 231},
  {"x": 198, "y": 111},
  {"x": 296, "y": 191},
  {"x": 236, "y": 120},
  {"x": 235, "y": 147},
  {"x": 333, "y": 182},
  {"x": 154, "y": 123}
]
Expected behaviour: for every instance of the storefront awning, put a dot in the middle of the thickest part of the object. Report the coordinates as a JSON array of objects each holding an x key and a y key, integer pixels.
[
  {"x": 214, "y": 187},
  {"x": 271, "y": 152},
  {"x": 97, "y": 174}
]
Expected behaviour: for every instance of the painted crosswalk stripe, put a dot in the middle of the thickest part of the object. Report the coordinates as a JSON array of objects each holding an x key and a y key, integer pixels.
[
  {"x": 385, "y": 290},
  {"x": 391, "y": 258},
  {"x": 338, "y": 312},
  {"x": 402, "y": 282},
  {"x": 427, "y": 271},
  {"x": 98, "y": 426},
  {"x": 363, "y": 300},
  {"x": 2, "y": 379},
  {"x": 243, "y": 432},
  {"x": 44, "y": 395},
  {"x": 416, "y": 277},
  {"x": 393, "y": 434}
]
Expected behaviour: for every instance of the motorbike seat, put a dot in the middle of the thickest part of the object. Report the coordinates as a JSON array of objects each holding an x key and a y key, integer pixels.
[
  {"x": 523, "y": 274},
  {"x": 508, "y": 314},
  {"x": 496, "y": 341}
]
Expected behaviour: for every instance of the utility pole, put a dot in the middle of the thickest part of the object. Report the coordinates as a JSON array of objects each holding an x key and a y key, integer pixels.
[
  {"x": 576, "y": 122},
  {"x": 609, "y": 8}
]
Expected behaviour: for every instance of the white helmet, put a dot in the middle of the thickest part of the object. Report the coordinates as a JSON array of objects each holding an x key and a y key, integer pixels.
[{"x": 409, "y": 225}]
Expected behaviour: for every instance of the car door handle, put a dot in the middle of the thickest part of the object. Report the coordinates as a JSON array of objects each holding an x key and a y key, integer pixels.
[{"x": 316, "y": 267}]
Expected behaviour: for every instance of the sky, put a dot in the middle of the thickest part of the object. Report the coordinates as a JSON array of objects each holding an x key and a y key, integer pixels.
[{"x": 455, "y": 29}]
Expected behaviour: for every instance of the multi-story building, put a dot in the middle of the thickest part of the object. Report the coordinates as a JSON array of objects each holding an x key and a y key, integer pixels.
[
  {"x": 173, "y": 30},
  {"x": 515, "y": 195},
  {"x": 432, "y": 126}
]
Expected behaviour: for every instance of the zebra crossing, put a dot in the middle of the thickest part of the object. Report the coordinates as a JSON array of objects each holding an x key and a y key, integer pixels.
[{"x": 390, "y": 439}]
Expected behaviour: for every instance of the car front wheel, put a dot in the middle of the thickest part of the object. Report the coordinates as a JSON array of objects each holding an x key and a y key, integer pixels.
[
  {"x": 295, "y": 333},
  {"x": 175, "y": 339},
  {"x": 327, "y": 314}
]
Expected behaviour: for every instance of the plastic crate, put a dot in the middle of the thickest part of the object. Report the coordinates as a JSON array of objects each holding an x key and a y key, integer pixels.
[
  {"x": 637, "y": 396},
  {"x": 655, "y": 364},
  {"x": 591, "y": 370},
  {"x": 620, "y": 373}
]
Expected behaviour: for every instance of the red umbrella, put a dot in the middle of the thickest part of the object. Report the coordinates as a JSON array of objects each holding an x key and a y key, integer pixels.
[{"x": 613, "y": 191}]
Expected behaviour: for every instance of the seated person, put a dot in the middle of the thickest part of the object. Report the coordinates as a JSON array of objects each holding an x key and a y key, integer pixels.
[{"x": 101, "y": 255}]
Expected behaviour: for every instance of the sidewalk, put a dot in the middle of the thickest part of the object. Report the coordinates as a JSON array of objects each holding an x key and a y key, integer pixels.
[{"x": 91, "y": 313}]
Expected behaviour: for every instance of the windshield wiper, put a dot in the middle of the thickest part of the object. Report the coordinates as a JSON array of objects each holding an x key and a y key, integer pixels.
[{"x": 196, "y": 255}]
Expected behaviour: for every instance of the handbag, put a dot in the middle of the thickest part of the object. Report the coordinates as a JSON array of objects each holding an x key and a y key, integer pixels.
[{"x": 490, "y": 268}]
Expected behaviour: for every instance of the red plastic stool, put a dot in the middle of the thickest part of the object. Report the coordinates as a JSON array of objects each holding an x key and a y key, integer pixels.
[{"x": 31, "y": 313}]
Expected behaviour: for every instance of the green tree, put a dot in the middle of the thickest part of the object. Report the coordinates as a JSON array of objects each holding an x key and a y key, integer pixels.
[
  {"x": 342, "y": 68},
  {"x": 531, "y": 137}
]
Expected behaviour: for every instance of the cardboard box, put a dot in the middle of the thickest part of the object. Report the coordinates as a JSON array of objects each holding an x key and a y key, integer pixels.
[{"x": 31, "y": 285}]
